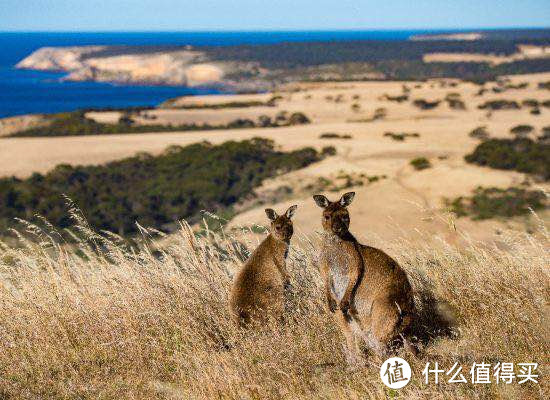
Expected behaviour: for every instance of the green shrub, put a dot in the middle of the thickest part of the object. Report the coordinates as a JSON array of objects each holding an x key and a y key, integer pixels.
[
  {"x": 521, "y": 130},
  {"x": 426, "y": 105},
  {"x": 399, "y": 98},
  {"x": 400, "y": 137},
  {"x": 494, "y": 202},
  {"x": 530, "y": 103},
  {"x": 455, "y": 103},
  {"x": 499, "y": 105},
  {"x": 520, "y": 154},
  {"x": 331, "y": 135},
  {"x": 420, "y": 163},
  {"x": 156, "y": 191},
  {"x": 479, "y": 133},
  {"x": 328, "y": 151},
  {"x": 298, "y": 118}
]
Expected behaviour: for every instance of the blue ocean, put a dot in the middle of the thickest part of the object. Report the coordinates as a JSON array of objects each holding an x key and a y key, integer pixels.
[{"x": 24, "y": 92}]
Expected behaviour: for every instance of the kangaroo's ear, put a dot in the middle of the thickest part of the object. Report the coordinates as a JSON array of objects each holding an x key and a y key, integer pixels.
[
  {"x": 347, "y": 199},
  {"x": 291, "y": 210},
  {"x": 271, "y": 214},
  {"x": 321, "y": 200}
]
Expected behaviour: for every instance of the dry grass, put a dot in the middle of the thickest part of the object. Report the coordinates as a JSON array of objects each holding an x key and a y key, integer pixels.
[{"x": 102, "y": 320}]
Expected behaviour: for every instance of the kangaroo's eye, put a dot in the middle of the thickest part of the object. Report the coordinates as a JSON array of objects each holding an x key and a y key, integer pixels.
[
  {"x": 327, "y": 217},
  {"x": 278, "y": 227}
]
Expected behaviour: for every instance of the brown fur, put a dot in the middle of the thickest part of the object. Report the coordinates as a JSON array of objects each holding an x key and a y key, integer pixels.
[
  {"x": 366, "y": 289},
  {"x": 257, "y": 294}
]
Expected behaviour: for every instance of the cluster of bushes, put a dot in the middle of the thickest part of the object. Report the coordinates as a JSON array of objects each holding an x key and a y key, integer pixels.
[
  {"x": 519, "y": 154},
  {"x": 330, "y": 135},
  {"x": 420, "y": 163},
  {"x": 75, "y": 123},
  {"x": 493, "y": 202},
  {"x": 341, "y": 182},
  {"x": 400, "y": 137},
  {"x": 155, "y": 191},
  {"x": 503, "y": 86}
]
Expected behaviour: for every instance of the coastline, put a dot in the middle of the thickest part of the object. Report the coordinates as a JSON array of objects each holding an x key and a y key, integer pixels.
[{"x": 122, "y": 70}]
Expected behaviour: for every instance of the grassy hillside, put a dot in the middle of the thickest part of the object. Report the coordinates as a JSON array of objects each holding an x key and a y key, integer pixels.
[
  {"x": 83, "y": 323},
  {"x": 155, "y": 191}
]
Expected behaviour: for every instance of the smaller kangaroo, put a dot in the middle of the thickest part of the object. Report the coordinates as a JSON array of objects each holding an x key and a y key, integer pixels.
[
  {"x": 367, "y": 290},
  {"x": 258, "y": 289}
]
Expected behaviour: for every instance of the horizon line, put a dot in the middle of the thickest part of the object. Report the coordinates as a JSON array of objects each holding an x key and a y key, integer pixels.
[{"x": 277, "y": 30}]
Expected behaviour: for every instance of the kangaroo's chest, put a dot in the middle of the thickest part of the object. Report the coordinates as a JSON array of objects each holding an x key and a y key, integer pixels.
[{"x": 339, "y": 260}]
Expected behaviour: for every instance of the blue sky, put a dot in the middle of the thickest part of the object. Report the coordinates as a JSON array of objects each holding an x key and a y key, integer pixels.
[{"x": 184, "y": 15}]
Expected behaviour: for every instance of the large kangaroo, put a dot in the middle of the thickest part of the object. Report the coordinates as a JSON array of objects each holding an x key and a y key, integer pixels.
[
  {"x": 365, "y": 288},
  {"x": 258, "y": 289}
]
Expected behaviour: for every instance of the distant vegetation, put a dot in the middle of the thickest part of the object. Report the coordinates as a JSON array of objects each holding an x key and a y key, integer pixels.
[
  {"x": 530, "y": 103},
  {"x": 330, "y": 135},
  {"x": 426, "y": 105},
  {"x": 455, "y": 102},
  {"x": 400, "y": 137},
  {"x": 398, "y": 98},
  {"x": 328, "y": 151},
  {"x": 479, "y": 133},
  {"x": 171, "y": 103},
  {"x": 75, "y": 123},
  {"x": 499, "y": 105},
  {"x": 520, "y": 154},
  {"x": 155, "y": 191},
  {"x": 493, "y": 202},
  {"x": 420, "y": 163},
  {"x": 342, "y": 181},
  {"x": 521, "y": 130},
  {"x": 379, "y": 113}
]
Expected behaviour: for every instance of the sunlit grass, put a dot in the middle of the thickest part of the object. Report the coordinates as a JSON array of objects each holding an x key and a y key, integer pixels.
[{"x": 99, "y": 318}]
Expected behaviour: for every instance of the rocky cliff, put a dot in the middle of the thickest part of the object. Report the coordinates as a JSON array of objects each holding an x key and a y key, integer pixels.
[{"x": 181, "y": 66}]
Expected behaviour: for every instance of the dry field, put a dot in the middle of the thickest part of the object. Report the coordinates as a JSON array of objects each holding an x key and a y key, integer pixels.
[
  {"x": 401, "y": 199},
  {"x": 98, "y": 320}
]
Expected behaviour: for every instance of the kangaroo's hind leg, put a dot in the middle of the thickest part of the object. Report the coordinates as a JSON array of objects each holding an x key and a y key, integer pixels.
[
  {"x": 346, "y": 326},
  {"x": 386, "y": 321}
]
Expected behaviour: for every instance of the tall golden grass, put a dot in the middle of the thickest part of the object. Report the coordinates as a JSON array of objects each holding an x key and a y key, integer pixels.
[{"x": 98, "y": 318}]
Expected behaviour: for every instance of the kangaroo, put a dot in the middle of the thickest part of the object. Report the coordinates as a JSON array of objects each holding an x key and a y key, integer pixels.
[
  {"x": 367, "y": 290},
  {"x": 258, "y": 289}
]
